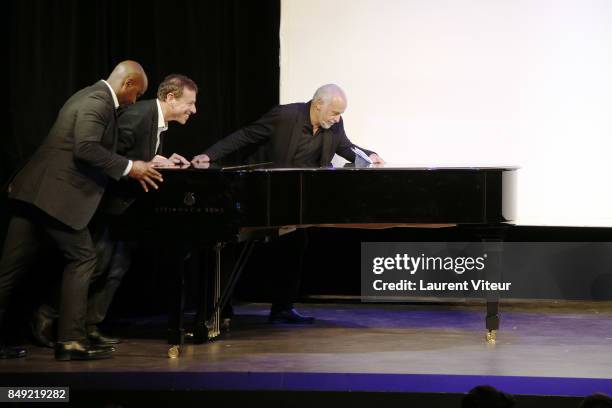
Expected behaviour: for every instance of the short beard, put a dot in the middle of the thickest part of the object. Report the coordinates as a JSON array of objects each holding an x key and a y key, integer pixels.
[{"x": 323, "y": 124}]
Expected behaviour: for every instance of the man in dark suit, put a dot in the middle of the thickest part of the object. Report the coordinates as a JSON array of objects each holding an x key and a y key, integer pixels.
[
  {"x": 57, "y": 193},
  {"x": 294, "y": 135},
  {"x": 140, "y": 128}
]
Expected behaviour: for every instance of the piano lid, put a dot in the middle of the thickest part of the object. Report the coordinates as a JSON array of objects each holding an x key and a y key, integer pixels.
[{"x": 270, "y": 167}]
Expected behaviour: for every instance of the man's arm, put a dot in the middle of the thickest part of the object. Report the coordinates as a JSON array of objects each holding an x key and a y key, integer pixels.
[
  {"x": 257, "y": 132},
  {"x": 90, "y": 125},
  {"x": 345, "y": 145},
  {"x": 91, "y": 122}
]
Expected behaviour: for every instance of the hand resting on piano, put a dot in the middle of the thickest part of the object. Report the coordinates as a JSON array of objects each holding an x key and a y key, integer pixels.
[
  {"x": 176, "y": 160},
  {"x": 201, "y": 158}
]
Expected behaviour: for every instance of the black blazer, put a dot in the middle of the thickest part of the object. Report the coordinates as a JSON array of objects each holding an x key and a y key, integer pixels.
[
  {"x": 67, "y": 175},
  {"x": 279, "y": 131},
  {"x": 138, "y": 130},
  {"x": 137, "y": 140}
]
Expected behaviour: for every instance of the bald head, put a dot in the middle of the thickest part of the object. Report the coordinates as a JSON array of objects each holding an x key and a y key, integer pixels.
[
  {"x": 129, "y": 81},
  {"x": 329, "y": 92},
  {"x": 328, "y": 104}
]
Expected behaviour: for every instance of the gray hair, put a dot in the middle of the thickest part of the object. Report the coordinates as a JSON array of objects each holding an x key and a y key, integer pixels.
[{"x": 327, "y": 92}]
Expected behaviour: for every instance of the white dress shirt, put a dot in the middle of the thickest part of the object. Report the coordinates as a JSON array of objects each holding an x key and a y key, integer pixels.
[{"x": 162, "y": 126}]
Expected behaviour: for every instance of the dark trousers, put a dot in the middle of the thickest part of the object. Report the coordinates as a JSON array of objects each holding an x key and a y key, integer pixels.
[
  {"x": 113, "y": 261},
  {"x": 276, "y": 268},
  {"x": 22, "y": 242}
]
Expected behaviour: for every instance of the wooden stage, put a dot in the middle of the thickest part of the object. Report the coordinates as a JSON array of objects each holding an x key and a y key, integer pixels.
[{"x": 355, "y": 353}]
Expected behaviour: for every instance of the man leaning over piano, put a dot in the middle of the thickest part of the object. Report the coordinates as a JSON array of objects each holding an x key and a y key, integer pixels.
[{"x": 294, "y": 135}]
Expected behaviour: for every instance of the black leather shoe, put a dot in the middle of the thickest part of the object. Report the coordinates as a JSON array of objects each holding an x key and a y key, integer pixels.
[
  {"x": 96, "y": 337},
  {"x": 80, "y": 350},
  {"x": 290, "y": 316},
  {"x": 12, "y": 352},
  {"x": 42, "y": 330}
]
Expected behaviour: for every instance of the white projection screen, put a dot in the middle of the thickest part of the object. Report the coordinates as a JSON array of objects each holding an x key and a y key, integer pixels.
[{"x": 470, "y": 83}]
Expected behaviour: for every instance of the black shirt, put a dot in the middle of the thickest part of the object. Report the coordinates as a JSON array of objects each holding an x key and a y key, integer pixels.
[{"x": 308, "y": 151}]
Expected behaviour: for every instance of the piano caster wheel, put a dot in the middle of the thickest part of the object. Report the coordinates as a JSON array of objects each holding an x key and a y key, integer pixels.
[
  {"x": 174, "y": 352},
  {"x": 491, "y": 337},
  {"x": 225, "y": 324}
]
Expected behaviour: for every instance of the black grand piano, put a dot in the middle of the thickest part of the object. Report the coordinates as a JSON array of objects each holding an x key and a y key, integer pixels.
[{"x": 219, "y": 205}]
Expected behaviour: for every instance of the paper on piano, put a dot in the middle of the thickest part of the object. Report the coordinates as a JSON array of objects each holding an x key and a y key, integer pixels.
[{"x": 361, "y": 158}]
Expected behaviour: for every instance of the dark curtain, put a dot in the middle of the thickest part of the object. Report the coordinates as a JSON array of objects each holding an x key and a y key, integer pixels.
[
  {"x": 56, "y": 47},
  {"x": 229, "y": 47}
]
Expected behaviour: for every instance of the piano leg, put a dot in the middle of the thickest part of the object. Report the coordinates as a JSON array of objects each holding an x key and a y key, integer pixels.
[
  {"x": 204, "y": 281},
  {"x": 174, "y": 261},
  {"x": 492, "y": 321},
  {"x": 215, "y": 320},
  {"x": 493, "y": 238},
  {"x": 493, "y": 274}
]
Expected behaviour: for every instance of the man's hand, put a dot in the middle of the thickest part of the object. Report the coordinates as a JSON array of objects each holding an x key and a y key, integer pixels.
[
  {"x": 376, "y": 159},
  {"x": 201, "y": 158},
  {"x": 145, "y": 174},
  {"x": 176, "y": 160},
  {"x": 179, "y": 160},
  {"x": 200, "y": 165},
  {"x": 161, "y": 161}
]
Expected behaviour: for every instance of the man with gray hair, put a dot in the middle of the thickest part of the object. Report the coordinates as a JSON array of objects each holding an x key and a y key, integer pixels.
[{"x": 294, "y": 135}]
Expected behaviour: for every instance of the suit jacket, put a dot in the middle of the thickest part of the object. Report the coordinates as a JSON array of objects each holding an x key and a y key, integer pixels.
[
  {"x": 67, "y": 175},
  {"x": 279, "y": 131},
  {"x": 138, "y": 130},
  {"x": 137, "y": 140}
]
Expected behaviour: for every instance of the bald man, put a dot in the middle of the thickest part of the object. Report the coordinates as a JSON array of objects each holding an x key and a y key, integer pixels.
[
  {"x": 56, "y": 194},
  {"x": 295, "y": 135},
  {"x": 140, "y": 127}
]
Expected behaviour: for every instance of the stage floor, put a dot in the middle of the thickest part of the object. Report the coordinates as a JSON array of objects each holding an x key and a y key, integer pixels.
[{"x": 543, "y": 348}]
